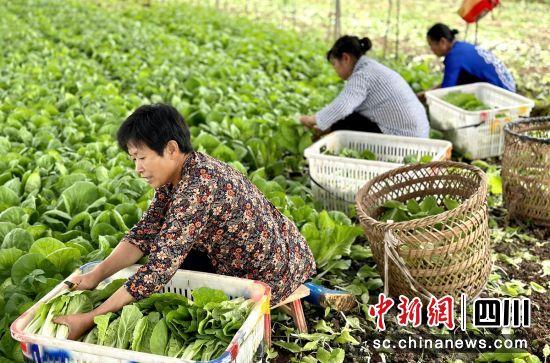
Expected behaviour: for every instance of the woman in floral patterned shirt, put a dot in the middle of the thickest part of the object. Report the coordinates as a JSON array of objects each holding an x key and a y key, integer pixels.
[{"x": 203, "y": 210}]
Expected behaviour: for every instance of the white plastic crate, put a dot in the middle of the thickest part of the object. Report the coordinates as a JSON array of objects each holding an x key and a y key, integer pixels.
[
  {"x": 242, "y": 348},
  {"x": 479, "y": 142},
  {"x": 336, "y": 180},
  {"x": 479, "y": 133},
  {"x": 445, "y": 116}
]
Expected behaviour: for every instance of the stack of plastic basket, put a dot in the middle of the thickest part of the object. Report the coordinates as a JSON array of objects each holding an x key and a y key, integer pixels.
[
  {"x": 242, "y": 348},
  {"x": 335, "y": 180},
  {"x": 444, "y": 254},
  {"x": 478, "y": 134},
  {"x": 526, "y": 170}
]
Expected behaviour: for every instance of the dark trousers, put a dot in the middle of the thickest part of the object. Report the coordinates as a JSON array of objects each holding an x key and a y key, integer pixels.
[
  {"x": 197, "y": 260},
  {"x": 356, "y": 122},
  {"x": 466, "y": 78}
]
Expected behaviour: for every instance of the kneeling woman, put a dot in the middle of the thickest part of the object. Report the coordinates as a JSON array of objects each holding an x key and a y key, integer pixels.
[
  {"x": 204, "y": 216},
  {"x": 466, "y": 63},
  {"x": 374, "y": 99}
]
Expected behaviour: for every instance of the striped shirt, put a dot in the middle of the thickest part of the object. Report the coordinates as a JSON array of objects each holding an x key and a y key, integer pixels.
[{"x": 383, "y": 96}]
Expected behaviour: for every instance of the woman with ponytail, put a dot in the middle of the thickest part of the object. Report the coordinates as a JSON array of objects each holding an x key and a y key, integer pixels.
[
  {"x": 374, "y": 99},
  {"x": 466, "y": 63}
]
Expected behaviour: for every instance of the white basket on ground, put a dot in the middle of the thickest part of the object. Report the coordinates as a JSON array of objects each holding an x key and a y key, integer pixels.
[
  {"x": 335, "y": 180},
  {"x": 242, "y": 348},
  {"x": 478, "y": 133}
]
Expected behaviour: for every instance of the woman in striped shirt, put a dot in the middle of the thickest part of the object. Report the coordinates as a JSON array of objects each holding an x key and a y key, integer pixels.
[{"x": 374, "y": 99}]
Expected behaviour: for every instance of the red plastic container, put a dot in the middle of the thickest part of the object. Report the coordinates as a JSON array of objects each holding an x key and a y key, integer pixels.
[{"x": 473, "y": 10}]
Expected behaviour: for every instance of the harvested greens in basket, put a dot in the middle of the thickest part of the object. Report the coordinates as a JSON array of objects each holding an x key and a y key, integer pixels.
[
  {"x": 466, "y": 101},
  {"x": 164, "y": 324},
  {"x": 428, "y": 206},
  {"x": 369, "y": 155}
]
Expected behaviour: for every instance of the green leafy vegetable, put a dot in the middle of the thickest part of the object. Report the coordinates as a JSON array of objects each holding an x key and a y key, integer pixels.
[
  {"x": 465, "y": 101},
  {"x": 351, "y": 153},
  {"x": 128, "y": 320},
  {"x": 414, "y": 209}
]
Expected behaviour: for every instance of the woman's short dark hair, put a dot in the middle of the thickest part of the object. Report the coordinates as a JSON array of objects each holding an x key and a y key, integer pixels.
[
  {"x": 439, "y": 31},
  {"x": 155, "y": 125},
  {"x": 349, "y": 44}
]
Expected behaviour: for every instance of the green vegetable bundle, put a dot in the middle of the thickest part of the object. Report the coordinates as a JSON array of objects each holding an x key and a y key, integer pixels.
[
  {"x": 350, "y": 153},
  {"x": 415, "y": 158},
  {"x": 164, "y": 324},
  {"x": 466, "y": 101},
  {"x": 412, "y": 209},
  {"x": 369, "y": 155}
]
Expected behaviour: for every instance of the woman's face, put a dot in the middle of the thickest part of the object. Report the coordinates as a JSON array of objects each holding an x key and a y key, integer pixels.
[
  {"x": 343, "y": 66},
  {"x": 156, "y": 169},
  {"x": 440, "y": 47}
]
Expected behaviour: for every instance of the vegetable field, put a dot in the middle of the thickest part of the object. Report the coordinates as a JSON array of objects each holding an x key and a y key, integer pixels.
[
  {"x": 71, "y": 71},
  {"x": 399, "y": 27}
]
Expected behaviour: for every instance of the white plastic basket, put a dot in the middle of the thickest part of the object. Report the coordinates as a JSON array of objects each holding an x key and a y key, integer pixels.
[
  {"x": 479, "y": 142},
  {"x": 336, "y": 180},
  {"x": 242, "y": 348},
  {"x": 478, "y": 133},
  {"x": 445, "y": 116}
]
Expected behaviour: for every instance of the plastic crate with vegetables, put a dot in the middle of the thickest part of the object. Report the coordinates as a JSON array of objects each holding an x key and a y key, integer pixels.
[
  {"x": 199, "y": 316},
  {"x": 341, "y": 162},
  {"x": 472, "y": 116}
]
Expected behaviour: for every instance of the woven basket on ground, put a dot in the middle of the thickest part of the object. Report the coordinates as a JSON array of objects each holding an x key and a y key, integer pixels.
[
  {"x": 444, "y": 254},
  {"x": 526, "y": 170}
]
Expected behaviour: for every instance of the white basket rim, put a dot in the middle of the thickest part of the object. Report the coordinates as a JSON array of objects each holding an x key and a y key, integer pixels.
[{"x": 314, "y": 150}]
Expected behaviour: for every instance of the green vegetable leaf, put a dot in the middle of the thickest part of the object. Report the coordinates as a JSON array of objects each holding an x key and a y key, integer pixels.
[
  {"x": 428, "y": 203},
  {"x": 205, "y": 295},
  {"x": 290, "y": 346},
  {"x": 128, "y": 319},
  {"x": 79, "y": 196},
  {"x": 450, "y": 203},
  {"x": 335, "y": 356},
  {"x": 159, "y": 338},
  {"x": 8, "y": 198},
  {"x": 538, "y": 288},
  {"x": 102, "y": 323},
  {"x": 8, "y": 256},
  {"x": 18, "y": 238},
  {"x": 46, "y": 245}
]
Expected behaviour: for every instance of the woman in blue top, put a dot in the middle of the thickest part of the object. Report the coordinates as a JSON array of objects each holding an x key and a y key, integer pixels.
[{"x": 466, "y": 63}]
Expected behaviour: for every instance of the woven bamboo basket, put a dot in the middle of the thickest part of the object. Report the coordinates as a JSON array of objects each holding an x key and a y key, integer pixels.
[
  {"x": 444, "y": 254},
  {"x": 526, "y": 170}
]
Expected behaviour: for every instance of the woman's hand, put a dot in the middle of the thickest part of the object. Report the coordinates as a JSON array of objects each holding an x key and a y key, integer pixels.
[
  {"x": 124, "y": 255},
  {"x": 78, "y": 324},
  {"x": 311, "y": 122},
  {"x": 318, "y": 133},
  {"x": 87, "y": 281},
  {"x": 421, "y": 96},
  {"x": 308, "y": 121}
]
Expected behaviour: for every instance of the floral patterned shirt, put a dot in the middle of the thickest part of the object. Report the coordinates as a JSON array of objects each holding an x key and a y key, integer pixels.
[{"x": 216, "y": 209}]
